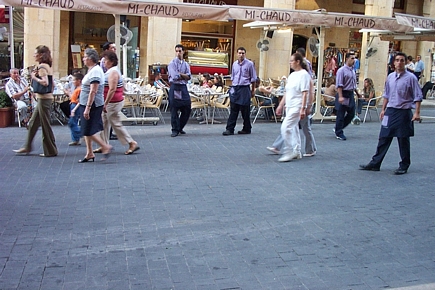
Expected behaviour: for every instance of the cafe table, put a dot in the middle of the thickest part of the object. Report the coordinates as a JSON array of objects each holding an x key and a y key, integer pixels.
[
  {"x": 133, "y": 100},
  {"x": 206, "y": 96}
]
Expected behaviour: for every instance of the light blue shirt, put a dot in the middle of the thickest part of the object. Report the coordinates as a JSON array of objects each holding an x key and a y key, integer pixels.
[
  {"x": 175, "y": 68},
  {"x": 419, "y": 66},
  {"x": 402, "y": 90},
  {"x": 243, "y": 74},
  {"x": 346, "y": 78}
]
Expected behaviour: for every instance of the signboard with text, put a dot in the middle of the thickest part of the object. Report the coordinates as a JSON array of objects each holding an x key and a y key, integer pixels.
[{"x": 197, "y": 10}]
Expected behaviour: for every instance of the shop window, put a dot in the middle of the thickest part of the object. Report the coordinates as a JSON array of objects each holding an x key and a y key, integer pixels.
[{"x": 207, "y": 54}]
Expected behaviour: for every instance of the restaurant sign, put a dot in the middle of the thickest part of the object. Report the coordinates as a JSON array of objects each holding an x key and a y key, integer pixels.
[
  {"x": 415, "y": 21},
  {"x": 216, "y": 12}
]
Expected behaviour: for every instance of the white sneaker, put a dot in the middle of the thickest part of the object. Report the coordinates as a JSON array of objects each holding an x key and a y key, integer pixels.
[
  {"x": 310, "y": 154},
  {"x": 289, "y": 157},
  {"x": 273, "y": 150}
]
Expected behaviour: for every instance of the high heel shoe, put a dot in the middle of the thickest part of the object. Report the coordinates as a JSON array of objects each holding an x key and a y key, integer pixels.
[
  {"x": 87, "y": 160},
  {"x": 21, "y": 151}
]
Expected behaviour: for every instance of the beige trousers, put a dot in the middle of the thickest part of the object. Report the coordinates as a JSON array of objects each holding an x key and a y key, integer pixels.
[{"x": 112, "y": 118}]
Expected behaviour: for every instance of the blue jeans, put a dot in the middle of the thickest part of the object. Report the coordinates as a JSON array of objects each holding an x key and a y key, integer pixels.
[{"x": 73, "y": 124}]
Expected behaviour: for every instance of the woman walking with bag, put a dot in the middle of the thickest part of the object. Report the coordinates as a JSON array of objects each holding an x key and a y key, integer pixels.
[{"x": 42, "y": 84}]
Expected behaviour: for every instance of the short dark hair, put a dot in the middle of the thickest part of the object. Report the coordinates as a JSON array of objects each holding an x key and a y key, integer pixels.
[
  {"x": 78, "y": 76},
  {"x": 179, "y": 46},
  {"x": 349, "y": 54},
  {"x": 301, "y": 50},
  {"x": 111, "y": 56},
  {"x": 242, "y": 48},
  {"x": 106, "y": 46},
  {"x": 401, "y": 54}
]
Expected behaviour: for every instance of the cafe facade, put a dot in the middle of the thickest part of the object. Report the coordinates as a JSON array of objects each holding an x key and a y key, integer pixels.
[{"x": 211, "y": 45}]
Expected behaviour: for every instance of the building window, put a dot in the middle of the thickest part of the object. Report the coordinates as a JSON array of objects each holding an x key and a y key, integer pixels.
[
  {"x": 399, "y": 4},
  {"x": 359, "y": 1}
]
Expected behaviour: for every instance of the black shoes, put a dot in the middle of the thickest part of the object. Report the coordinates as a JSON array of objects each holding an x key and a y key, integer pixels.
[
  {"x": 113, "y": 137},
  {"x": 228, "y": 132},
  {"x": 400, "y": 171},
  {"x": 368, "y": 167},
  {"x": 174, "y": 134},
  {"x": 84, "y": 160},
  {"x": 244, "y": 132},
  {"x": 182, "y": 132}
]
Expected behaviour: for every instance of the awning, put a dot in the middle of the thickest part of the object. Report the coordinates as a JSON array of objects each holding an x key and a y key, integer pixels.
[
  {"x": 423, "y": 29},
  {"x": 217, "y": 12}
]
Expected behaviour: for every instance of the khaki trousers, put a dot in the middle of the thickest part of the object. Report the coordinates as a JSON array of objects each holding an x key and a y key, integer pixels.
[
  {"x": 41, "y": 118},
  {"x": 112, "y": 118}
]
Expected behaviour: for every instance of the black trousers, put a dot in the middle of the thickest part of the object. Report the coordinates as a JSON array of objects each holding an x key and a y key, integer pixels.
[
  {"x": 178, "y": 121},
  {"x": 234, "y": 114},
  {"x": 344, "y": 115},
  {"x": 383, "y": 145}
]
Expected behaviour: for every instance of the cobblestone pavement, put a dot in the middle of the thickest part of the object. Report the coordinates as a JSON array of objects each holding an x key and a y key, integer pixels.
[{"x": 206, "y": 211}]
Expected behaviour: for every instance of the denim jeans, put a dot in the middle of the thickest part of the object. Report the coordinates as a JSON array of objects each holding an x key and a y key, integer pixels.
[{"x": 73, "y": 124}]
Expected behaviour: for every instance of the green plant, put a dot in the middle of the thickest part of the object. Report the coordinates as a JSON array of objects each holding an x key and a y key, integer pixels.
[{"x": 5, "y": 100}]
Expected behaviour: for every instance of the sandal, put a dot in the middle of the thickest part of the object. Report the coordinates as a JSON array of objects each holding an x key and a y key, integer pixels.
[
  {"x": 131, "y": 151},
  {"x": 98, "y": 150}
]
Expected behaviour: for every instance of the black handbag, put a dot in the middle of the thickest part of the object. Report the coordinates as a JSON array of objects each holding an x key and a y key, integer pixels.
[{"x": 40, "y": 89}]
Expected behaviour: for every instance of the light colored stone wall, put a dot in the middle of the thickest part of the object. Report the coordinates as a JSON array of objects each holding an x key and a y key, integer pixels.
[
  {"x": 42, "y": 27},
  {"x": 247, "y": 37},
  {"x": 375, "y": 67},
  {"x": 162, "y": 36},
  {"x": 274, "y": 63}
]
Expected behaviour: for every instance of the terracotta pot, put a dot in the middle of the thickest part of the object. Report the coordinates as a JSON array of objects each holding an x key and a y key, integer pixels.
[{"x": 7, "y": 117}]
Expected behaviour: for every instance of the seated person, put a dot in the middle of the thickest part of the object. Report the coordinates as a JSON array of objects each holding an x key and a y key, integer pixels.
[
  {"x": 367, "y": 94},
  {"x": 330, "y": 91},
  {"x": 204, "y": 80},
  {"x": 266, "y": 91},
  {"x": 159, "y": 83},
  {"x": 17, "y": 89},
  {"x": 217, "y": 81}
]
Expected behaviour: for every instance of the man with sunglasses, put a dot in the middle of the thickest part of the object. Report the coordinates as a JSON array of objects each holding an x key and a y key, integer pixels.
[{"x": 402, "y": 94}]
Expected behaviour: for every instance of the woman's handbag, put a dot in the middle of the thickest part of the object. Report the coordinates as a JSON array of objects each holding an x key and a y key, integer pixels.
[{"x": 40, "y": 89}]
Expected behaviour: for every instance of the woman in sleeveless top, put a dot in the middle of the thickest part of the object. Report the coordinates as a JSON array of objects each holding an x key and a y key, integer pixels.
[
  {"x": 42, "y": 76},
  {"x": 113, "y": 104}
]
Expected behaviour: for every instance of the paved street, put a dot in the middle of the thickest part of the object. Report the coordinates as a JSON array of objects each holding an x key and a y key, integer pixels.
[{"x": 204, "y": 211}]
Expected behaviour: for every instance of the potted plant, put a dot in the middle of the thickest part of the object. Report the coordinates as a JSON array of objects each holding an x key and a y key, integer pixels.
[{"x": 6, "y": 110}]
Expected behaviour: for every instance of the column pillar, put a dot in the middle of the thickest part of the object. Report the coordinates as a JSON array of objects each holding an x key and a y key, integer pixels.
[
  {"x": 275, "y": 62},
  {"x": 162, "y": 36},
  {"x": 375, "y": 66},
  {"x": 48, "y": 23}
]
